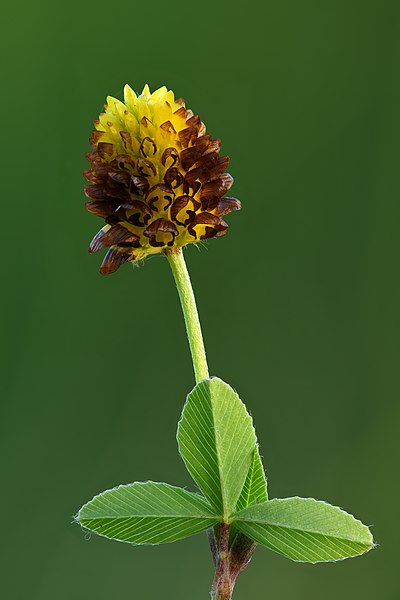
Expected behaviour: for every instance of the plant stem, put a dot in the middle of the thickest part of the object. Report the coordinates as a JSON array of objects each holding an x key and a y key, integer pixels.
[
  {"x": 222, "y": 586},
  {"x": 189, "y": 308},
  {"x": 225, "y": 575}
]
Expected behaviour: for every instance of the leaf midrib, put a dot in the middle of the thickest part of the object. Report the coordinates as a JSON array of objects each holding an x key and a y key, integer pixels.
[
  {"x": 296, "y": 529},
  {"x": 150, "y": 516},
  {"x": 219, "y": 461}
]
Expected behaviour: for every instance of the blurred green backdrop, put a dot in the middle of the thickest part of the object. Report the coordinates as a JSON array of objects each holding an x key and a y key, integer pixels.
[{"x": 299, "y": 304}]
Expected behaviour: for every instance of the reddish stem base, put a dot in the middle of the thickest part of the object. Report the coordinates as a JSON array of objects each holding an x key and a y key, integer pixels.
[{"x": 230, "y": 559}]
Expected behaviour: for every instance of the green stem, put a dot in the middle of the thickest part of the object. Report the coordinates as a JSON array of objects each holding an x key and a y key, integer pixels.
[
  {"x": 189, "y": 308},
  {"x": 222, "y": 584}
]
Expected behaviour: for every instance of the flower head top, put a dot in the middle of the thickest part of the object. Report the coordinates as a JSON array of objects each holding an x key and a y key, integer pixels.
[{"x": 155, "y": 177}]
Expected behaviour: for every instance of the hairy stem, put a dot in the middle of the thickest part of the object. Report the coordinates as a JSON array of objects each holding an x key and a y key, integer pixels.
[
  {"x": 229, "y": 562},
  {"x": 222, "y": 586},
  {"x": 189, "y": 308}
]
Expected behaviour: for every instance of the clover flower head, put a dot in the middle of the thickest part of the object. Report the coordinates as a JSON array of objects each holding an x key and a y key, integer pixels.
[{"x": 156, "y": 178}]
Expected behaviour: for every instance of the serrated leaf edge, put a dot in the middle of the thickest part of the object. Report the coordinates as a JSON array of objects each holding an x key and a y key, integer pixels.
[
  {"x": 203, "y": 499},
  {"x": 213, "y": 378},
  {"x": 373, "y": 545}
]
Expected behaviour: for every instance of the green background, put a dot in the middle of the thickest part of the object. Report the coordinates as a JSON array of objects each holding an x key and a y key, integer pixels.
[{"x": 299, "y": 304}]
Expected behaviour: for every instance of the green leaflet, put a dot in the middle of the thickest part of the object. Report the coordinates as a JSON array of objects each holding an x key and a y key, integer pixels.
[
  {"x": 305, "y": 529},
  {"x": 216, "y": 441},
  {"x": 218, "y": 445},
  {"x": 255, "y": 487},
  {"x": 147, "y": 513}
]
